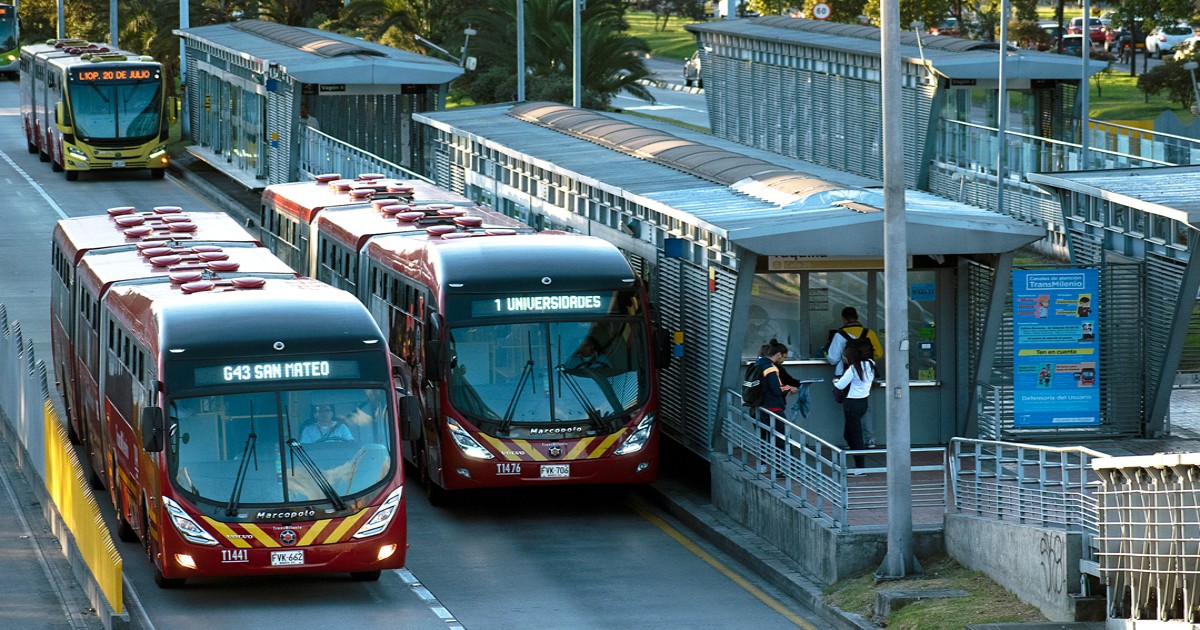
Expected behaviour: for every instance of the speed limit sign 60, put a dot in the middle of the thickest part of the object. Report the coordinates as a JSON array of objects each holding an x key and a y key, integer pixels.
[{"x": 821, "y": 11}]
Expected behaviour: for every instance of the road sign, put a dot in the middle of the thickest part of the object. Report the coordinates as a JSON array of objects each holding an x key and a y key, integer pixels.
[{"x": 821, "y": 11}]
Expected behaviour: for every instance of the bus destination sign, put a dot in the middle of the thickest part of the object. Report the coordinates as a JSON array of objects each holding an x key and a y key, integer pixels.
[
  {"x": 276, "y": 371},
  {"x": 567, "y": 304},
  {"x": 101, "y": 75}
]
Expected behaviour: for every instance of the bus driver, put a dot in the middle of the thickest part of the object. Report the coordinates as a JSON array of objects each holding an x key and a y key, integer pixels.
[{"x": 325, "y": 427}]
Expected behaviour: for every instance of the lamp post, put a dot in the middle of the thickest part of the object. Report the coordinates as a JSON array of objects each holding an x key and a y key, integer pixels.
[{"x": 1191, "y": 66}]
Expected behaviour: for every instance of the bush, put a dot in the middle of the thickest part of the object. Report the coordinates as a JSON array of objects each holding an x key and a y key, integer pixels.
[{"x": 1172, "y": 78}]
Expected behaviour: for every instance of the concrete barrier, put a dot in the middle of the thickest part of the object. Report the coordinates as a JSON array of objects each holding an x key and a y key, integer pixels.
[
  {"x": 828, "y": 554},
  {"x": 34, "y": 429},
  {"x": 1039, "y": 565}
]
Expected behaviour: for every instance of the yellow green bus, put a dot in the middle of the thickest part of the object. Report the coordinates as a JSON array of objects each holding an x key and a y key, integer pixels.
[{"x": 88, "y": 107}]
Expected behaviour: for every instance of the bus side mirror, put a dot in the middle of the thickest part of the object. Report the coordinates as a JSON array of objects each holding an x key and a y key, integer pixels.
[
  {"x": 173, "y": 108},
  {"x": 152, "y": 429},
  {"x": 60, "y": 119},
  {"x": 434, "y": 366},
  {"x": 410, "y": 416}
]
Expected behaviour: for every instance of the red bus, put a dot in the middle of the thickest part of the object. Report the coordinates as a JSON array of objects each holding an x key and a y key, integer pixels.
[
  {"x": 289, "y": 210},
  {"x": 231, "y": 444},
  {"x": 487, "y": 322},
  {"x": 120, "y": 228}
]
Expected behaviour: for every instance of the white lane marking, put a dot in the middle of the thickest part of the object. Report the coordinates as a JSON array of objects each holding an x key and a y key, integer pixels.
[
  {"x": 429, "y": 598},
  {"x": 27, "y": 533},
  {"x": 41, "y": 191}
]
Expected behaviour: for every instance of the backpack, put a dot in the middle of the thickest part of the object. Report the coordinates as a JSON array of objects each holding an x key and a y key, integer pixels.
[
  {"x": 863, "y": 342},
  {"x": 752, "y": 386}
]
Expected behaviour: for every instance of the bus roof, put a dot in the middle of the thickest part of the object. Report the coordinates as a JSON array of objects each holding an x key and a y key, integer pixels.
[
  {"x": 70, "y": 52},
  {"x": 545, "y": 261},
  {"x": 299, "y": 313},
  {"x": 79, "y": 235},
  {"x": 304, "y": 200},
  {"x": 180, "y": 265},
  {"x": 353, "y": 226}
]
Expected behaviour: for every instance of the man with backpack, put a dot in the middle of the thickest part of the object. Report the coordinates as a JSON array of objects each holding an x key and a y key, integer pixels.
[
  {"x": 764, "y": 388},
  {"x": 852, "y": 331}
]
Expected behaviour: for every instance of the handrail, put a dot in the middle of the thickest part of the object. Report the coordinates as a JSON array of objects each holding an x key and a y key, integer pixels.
[{"x": 815, "y": 471}]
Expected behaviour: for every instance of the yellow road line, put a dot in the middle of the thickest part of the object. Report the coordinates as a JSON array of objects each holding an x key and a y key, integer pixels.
[{"x": 724, "y": 570}]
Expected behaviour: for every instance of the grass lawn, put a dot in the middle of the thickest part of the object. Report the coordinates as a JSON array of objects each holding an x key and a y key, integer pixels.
[
  {"x": 673, "y": 43},
  {"x": 986, "y": 601}
]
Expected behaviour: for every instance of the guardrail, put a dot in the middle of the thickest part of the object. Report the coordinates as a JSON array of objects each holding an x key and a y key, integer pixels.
[
  {"x": 322, "y": 153},
  {"x": 66, "y": 498},
  {"x": 820, "y": 474}
]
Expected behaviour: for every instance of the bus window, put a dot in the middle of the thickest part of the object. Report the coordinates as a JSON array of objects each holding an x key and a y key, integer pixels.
[
  {"x": 534, "y": 373},
  {"x": 257, "y": 436},
  {"x": 116, "y": 110}
]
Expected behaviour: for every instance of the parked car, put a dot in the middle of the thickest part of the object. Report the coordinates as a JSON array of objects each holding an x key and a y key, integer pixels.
[
  {"x": 948, "y": 26},
  {"x": 1095, "y": 28},
  {"x": 1165, "y": 39},
  {"x": 1073, "y": 45},
  {"x": 691, "y": 71},
  {"x": 1189, "y": 47}
]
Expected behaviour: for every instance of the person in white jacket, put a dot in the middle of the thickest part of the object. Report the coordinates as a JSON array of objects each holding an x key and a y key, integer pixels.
[{"x": 859, "y": 375}]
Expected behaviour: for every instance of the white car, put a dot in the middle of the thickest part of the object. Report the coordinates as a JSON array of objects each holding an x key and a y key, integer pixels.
[
  {"x": 691, "y": 71},
  {"x": 1165, "y": 39}
]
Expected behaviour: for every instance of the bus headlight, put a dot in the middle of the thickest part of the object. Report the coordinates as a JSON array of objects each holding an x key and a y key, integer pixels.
[
  {"x": 466, "y": 443},
  {"x": 382, "y": 516},
  {"x": 77, "y": 154},
  {"x": 157, "y": 153},
  {"x": 637, "y": 440},
  {"x": 187, "y": 527}
]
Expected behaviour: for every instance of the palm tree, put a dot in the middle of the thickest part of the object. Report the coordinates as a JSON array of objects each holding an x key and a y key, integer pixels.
[{"x": 612, "y": 60}]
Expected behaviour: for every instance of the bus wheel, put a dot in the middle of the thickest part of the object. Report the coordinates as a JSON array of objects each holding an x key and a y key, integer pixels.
[
  {"x": 365, "y": 576},
  {"x": 157, "y": 173},
  {"x": 148, "y": 546},
  {"x": 72, "y": 176},
  {"x": 125, "y": 531}
]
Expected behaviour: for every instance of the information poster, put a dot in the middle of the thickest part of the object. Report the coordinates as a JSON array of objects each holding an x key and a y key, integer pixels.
[{"x": 1055, "y": 348}]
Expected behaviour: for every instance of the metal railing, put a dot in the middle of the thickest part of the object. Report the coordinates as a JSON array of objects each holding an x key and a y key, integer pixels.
[
  {"x": 1046, "y": 486},
  {"x": 818, "y": 473},
  {"x": 322, "y": 153}
]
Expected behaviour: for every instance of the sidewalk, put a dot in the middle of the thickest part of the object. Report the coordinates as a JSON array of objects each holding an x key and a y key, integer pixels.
[{"x": 39, "y": 590}]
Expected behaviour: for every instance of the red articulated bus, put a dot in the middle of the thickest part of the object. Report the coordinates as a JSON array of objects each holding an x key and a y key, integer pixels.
[
  {"x": 289, "y": 211},
  {"x": 232, "y": 444},
  {"x": 524, "y": 358}
]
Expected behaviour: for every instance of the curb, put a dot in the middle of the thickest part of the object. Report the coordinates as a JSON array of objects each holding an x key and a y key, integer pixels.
[
  {"x": 757, "y": 554},
  {"x": 663, "y": 85}
]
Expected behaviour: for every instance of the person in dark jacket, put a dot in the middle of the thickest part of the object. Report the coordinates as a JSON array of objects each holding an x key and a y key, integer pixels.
[{"x": 775, "y": 391}]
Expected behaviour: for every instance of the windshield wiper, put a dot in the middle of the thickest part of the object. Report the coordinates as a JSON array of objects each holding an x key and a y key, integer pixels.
[
  {"x": 526, "y": 373},
  {"x": 247, "y": 451},
  {"x": 315, "y": 471},
  {"x": 592, "y": 413}
]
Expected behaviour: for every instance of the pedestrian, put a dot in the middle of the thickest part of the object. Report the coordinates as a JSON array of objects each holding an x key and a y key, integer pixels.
[
  {"x": 858, "y": 373},
  {"x": 774, "y": 390},
  {"x": 852, "y": 329}
]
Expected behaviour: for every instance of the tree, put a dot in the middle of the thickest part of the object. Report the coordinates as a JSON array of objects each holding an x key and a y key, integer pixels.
[
  {"x": 770, "y": 7},
  {"x": 613, "y": 61},
  {"x": 930, "y": 12},
  {"x": 1172, "y": 78}
]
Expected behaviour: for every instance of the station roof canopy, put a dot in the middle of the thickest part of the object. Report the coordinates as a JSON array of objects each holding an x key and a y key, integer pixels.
[
  {"x": 1169, "y": 191},
  {"x": 950, "y": 57},
  {"x": 314, "y": 56},
  {"x": 764, "y": 202}
]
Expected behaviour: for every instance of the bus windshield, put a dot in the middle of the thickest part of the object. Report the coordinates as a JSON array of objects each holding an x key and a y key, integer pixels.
[
  {"x": 116, "y": 109},
  {"x": 549, "y": 372},
  {"x": 280, "y": 447},
  {"x": 8, "y": 31}
]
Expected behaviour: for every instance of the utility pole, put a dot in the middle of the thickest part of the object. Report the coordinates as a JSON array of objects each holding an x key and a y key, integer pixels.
[
  {"x": 520, "y": 51},
  {"x": 577, "y": 64},
  {"x": 112, "y": 23},
  {"x": 899, "y": 561}
]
